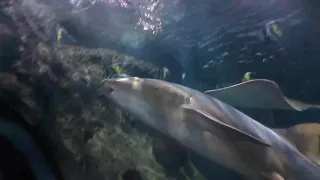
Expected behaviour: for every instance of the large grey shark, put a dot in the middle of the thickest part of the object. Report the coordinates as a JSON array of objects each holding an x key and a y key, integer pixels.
[{"x": 211, "y": 128}]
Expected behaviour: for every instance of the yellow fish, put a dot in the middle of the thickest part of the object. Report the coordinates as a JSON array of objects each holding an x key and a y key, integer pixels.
[
  {"x": 246, "y": 77},
  {"x": 59, "y": 34},
  {"x": 276, "y": 30}
]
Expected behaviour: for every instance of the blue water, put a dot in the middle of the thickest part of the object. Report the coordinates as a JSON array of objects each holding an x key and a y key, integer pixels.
[
  {"x": 24, "y": 143},
  {"x": 214, "y": 42}
]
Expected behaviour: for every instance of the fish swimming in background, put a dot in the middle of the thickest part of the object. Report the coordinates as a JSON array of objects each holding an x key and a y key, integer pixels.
[
  {"x": 119, "y": 71},
  {"x": 212, "y": 128},
  {"x": 247, "y": 76},
  {"x": 273, "y": 30},
  {"x": 63, "y": 36},
  {"x": 276, "y": 30}
]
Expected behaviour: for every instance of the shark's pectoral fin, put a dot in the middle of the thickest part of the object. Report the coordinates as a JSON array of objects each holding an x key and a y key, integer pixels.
[
  {"x": 232, "y": 133},
  {"x": 315, "y": 159},
  {"x": 305, "y": 137},
  {"x": 275, "y": 176},
  {"x": 258, "y": 93}
]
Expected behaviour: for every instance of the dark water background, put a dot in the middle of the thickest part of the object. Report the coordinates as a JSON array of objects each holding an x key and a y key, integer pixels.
[{"x": 215, "y": 42}]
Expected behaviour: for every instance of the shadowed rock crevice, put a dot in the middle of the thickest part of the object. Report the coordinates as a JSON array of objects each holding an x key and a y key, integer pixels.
[
  {"x": 13, "y": 165},
  {"x": 132, "y": 174}
]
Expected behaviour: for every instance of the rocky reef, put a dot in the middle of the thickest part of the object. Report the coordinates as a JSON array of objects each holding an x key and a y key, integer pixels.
[{"x": 56, "y": 90}]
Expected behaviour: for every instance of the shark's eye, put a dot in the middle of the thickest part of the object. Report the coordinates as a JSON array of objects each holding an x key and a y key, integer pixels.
[{"x": 108, "y": 89}]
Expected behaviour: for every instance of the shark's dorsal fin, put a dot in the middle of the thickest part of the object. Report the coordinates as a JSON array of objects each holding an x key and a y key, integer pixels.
[
  {"x": 305, "y": 137},
  {"x": 233, "y": 133},
  {"x": 258, "y": 93}
]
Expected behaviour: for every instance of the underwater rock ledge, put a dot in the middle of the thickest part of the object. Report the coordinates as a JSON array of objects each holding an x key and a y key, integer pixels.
[
  {"x": 86, "y": 125},
  {"x": 56, "y": 91}
]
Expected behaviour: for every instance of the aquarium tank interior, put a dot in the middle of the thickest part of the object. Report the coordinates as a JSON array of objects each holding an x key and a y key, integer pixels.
[{"x": 159, "y": 89}]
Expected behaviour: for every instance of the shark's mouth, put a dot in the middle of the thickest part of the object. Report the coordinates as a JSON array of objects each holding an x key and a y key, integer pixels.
[
  {"x": 109, "y": 90},
  {"x": 106, "y": 89}
]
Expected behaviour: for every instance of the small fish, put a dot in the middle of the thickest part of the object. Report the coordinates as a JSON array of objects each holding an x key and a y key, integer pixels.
[
  {"x": 64, "y": 36},
  {"x": 273, "y": 30},
  {"x": 247, "y": 76},
  {"x": 165, "y": 73},
  {"x": 183, "y": 75},
  {"x": 276, "y": 30},
  {"x": 117, "y": 71}
]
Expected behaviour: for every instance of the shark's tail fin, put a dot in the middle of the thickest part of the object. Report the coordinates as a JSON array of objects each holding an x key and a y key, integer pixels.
[
  {"x": 305, "y": 137},
  {"x": 258, "y": 93}
]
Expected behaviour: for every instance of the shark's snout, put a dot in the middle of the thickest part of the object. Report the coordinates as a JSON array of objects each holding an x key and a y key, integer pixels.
[
  {"x": 106, "y": 87},
  {"x": 115, "y": 85},
  {"x": 115, "y": 81},
  {"x": 120, "y": 91}
]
